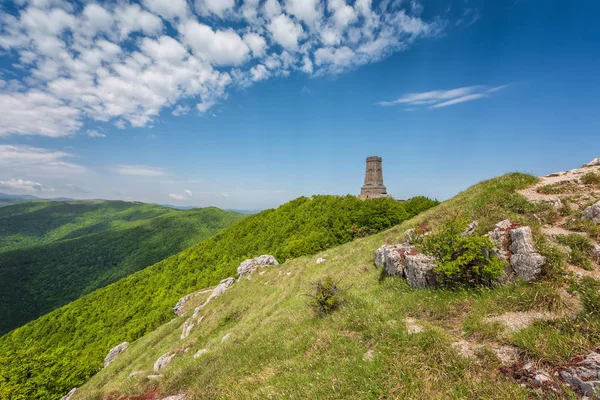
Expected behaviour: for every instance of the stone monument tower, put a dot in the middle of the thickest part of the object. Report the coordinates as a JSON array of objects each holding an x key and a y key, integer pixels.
[{"x": 373, "y": 186}]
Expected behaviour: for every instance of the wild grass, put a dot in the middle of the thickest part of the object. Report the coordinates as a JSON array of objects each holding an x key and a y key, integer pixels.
[
  {"x": 558, "y": 188},
  {"x": 580, "y": 249},
  {"x": 591, "y": 178}
]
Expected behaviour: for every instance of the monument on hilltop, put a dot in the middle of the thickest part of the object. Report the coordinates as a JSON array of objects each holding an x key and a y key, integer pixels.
[{"x": 373, "y": 187}]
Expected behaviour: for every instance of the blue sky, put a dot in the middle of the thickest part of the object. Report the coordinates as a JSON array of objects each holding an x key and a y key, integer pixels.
[{"x": 248, "y": 104}]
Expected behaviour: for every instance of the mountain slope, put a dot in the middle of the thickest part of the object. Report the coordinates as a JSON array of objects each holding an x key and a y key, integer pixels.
[
  {"x": 38, "y": 222},
  {"x": 62, "y": 349},
  {"x": 387, "y": 341}
]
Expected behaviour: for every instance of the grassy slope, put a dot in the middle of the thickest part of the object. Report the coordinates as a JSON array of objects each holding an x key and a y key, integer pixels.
[
  {"x": 278, "y": 349},
  {"x": 63, "y": 348},
  {"x": 85, "y": 246}
]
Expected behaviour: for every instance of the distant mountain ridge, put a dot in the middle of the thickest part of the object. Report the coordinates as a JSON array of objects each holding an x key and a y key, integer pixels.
[{"x": 52, "y": 252}]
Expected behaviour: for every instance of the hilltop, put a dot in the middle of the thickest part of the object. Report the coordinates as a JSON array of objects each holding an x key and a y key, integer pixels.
[
  {"x": 46, "y": 357},
  {"x": 53, "y": 252},
  {"x": 508, "y": 340}
]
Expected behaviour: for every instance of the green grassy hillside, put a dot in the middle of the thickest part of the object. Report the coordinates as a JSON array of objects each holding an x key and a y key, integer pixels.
[
  {"x": 87, "y": 246},
  {"x": 62, "y": 349},
  {"x": 387, "y": 341}
]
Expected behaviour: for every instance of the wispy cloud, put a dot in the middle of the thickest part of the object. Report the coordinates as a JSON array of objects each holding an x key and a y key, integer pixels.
[
  {"x": 22, "y": 160},
  {"x": 443, "y": 98},
  {"x": 138, "y": 170},
  {"x": 187, "y": 195}
]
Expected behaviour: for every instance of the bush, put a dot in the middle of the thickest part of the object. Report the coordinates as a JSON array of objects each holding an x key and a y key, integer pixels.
[
  {"x": 590, "y": 179},
  {"x": 581, "y": 249},
  {"x": 462, "y": 260},
  {"x": 326, "y": 296}
]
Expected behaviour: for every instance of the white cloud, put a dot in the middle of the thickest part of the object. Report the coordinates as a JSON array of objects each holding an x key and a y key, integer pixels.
[
  {"x": 286, "y": 32},
  {"x": 221, "y": 47},
  {"x": 22, "y": 186},
  {"x": 305, "y": 10},
  {"x": 187, "y": 195},
  {"x": 216, "y": 7},
  {"x": 180, "y": 110},
  {"x": 138, "y": 170},
  {"x": 36, "y": 161},
  {"x": 256, "y": 43},
  {"x": 122, "y": 62},
  {"x": 95, "y": 134},
  {"x": 168, "y": 9},
  {"x": 444, "y": 98}
]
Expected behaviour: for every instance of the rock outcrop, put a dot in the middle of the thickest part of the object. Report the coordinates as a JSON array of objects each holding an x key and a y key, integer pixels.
[
  {"x": 593, "y": 163},
  {"x": 513, "y": 243},
  {"x": 218, "y": 291},
  {"x": 69, "y": 395},
  {"x": 115, "y": 351},
  {"x": 163, "y": 361},
  {"x": 419, "y": 271},
  {"x": 252, "y": 264},
  {"x": 584, "y": 375},
  {"x": 592, "y": 213}
]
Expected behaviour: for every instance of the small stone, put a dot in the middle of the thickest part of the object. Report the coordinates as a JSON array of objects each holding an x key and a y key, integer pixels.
[
  {"x": 226, "y": 337},
  {"x": 163, "y": 361},
  {"x": 541, "y": 378},
  {"x": 154, "y": 377},
  {"x": 114, "y": 352},
  {"x": 369, "y": 355},
  {"x": 187, "y": 328},
  {"x": 320, "y": 260},
  {"x": 69, "y": 395},
  {"x": 200, "y": 352},
  {"x": 380, "y": 256},
  {"x": 503, "y": 225},
  {"x": 135, "y": 373},
  {"x": 471, "y": 228},
  {"x": 175, "y": 397}
]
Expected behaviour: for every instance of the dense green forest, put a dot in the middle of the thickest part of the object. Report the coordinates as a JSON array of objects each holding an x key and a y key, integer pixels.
[
  {"x": 47, "y": 357},
  {"x": 52, "y": 253}
]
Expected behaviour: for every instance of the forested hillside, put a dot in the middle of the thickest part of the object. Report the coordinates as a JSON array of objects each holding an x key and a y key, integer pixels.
[
  {"x": 52, "y": 253},
  {"x": 60, "y": 350}
]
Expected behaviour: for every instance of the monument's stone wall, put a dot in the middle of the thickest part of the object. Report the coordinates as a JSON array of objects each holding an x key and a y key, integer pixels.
[{"x": 373, "y": 186}]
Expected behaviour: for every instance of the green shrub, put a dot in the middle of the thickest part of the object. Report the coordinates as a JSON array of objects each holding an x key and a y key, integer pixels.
[
  {"x": 581, "y": 249},
  {"x": 463, "y": 260},
  {"x": 591, "y": 179},
  {"x": 326, "y": 296}
]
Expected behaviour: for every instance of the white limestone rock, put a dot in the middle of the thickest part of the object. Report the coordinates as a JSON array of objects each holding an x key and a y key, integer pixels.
[
  {"x": 471, "y": 228},
  {"x": 226, "y": 337},
  {"x": 187, "y": 328},
  {"x": 592, "y": 213},
  {"x": 419, "y": 271},
  {"x": 593, "y": 163},
  {"x": 252, "y": 264},
  {"x": 218, "y": 291},
  {"x": 175, "y": 397},
  {"x": 69, "y": 395},
  {"x": 525, "y": 261},
  {"x": 320, "y": 260},
  {"x": 163, "y": 361},
  {"x": 115, "y": 351},
  {"x": 199, "y": 353}
]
